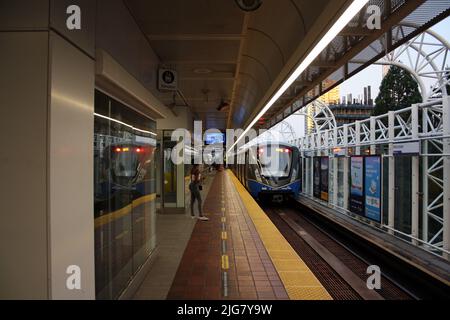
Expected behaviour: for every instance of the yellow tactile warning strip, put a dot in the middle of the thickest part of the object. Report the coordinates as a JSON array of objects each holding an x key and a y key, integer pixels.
[
  {"x": 298, "y": 280},
  {"x": 107, "y": 218}
]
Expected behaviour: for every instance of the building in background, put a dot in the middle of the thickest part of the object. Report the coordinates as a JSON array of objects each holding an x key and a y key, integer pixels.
[
  {"x": 350, "y": 110},
  {"x": 332, "y": 96}
]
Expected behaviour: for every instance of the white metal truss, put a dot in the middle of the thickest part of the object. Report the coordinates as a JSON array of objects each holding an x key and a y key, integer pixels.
[
  {"x": 286, "y": 131},
  {"x": 320, "y": 116},
  {"x": 283, "y": 131},
  {"x": 395, "y": 127},
  {"x": 427, "y": 58}
]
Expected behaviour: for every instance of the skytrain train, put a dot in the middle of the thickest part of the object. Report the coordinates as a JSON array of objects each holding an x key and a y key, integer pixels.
[{"x": 269, "y": 170}]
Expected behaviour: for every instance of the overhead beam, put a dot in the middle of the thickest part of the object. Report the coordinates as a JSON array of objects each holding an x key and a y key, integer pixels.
[
  {"x": 355, "y": 31},
  {"x": 194, "y": 37},
  {"x": 238, "y": 68},
  {"x": 390, "y": 22},
  {"x": 324, "y": 64},
  {"x": 198, "y": 62},
  {"x": 215, "y": 78}
]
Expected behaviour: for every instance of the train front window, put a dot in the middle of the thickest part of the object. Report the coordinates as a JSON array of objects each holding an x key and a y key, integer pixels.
[
  {"x": 125, "y": 163},
  {"x": 275, "y": 162}
]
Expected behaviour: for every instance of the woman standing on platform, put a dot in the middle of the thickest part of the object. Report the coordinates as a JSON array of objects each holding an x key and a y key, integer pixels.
[{"x": 195, "y": 187}]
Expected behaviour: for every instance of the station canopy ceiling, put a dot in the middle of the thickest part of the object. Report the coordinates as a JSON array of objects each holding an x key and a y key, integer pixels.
[{"x": 227, "y": 56}]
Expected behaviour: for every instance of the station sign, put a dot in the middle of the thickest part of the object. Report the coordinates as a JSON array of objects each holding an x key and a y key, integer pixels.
[
  {"x": 167, "y": 80},
  {"x": 407, "y": 148}
]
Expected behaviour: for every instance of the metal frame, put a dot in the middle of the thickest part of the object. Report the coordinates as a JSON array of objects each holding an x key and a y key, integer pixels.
[
  {"x": 428, "y": 56},
  {"x": 425, "y": 56},
  {"x": 400, "y": 126}
]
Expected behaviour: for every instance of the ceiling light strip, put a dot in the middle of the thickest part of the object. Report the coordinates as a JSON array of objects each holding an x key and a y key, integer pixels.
[{"x": 339, "y": 25}]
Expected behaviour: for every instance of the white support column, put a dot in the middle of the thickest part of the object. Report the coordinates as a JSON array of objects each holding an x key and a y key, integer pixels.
[
  {"x": 424, "y": 178},
  {"x": 358, "y": 138},
  {"x": 415, "y": 177},
  {"x": 446, "y": 175},
  {"x": 311, "y": 176},
  {"x": 373, "y": 147},
  {"x": 391, "y": 184},
  {"x": 303, "y": 171},
  {"x": 335, "y": 168},
  {"x": 346, "y": 167},
  {"x": 326, "y": 144},
  {"x": 335, "y": 180}
]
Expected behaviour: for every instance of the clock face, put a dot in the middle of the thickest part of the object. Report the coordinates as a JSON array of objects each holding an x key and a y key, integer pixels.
[
  {"x": 168, "y": 77},
  {"x": 249, "y": 5}
]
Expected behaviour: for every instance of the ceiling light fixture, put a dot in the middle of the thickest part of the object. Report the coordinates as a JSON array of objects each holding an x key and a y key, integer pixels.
[{"x": 337, "y": 27}]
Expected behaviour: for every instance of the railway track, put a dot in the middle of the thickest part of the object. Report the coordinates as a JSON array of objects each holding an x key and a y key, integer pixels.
[{"x": 339, "y": 264}]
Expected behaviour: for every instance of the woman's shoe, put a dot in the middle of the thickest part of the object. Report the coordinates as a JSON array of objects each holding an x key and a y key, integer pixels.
[{"x": 203, "y": 218}]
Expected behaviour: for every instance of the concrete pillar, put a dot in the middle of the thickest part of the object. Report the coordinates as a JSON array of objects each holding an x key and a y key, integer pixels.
[{"x": 47, "y": 83}]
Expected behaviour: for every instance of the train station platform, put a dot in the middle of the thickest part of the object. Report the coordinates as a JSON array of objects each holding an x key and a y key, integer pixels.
[{"x": 240, "y": 254}]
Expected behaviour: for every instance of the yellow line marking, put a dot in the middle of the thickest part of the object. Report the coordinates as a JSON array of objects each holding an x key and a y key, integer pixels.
[
  {"x": 297, "y": 278},
  {"x": 144, "y": 199},
  {"x": 110, "y": 217},
  {"x": 224, "y": 235},
  {"x": 223, "y": 219},
  {"x": 225, "y": 264}
]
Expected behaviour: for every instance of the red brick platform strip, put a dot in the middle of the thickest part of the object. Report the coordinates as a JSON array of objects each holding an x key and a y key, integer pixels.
[{"x": 251, "y": 274}]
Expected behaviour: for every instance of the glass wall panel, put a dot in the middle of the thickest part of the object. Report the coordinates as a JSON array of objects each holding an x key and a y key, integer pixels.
[{"x": 124, "y": 194}]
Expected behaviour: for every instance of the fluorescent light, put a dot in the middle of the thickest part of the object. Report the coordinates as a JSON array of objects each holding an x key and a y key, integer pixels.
[
  {"x": 124, "y": 124},
  {"x": 340, "y": 24}
]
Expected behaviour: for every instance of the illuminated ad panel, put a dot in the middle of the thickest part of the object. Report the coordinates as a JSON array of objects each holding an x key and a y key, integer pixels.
[{"x": 373, "y": 188}]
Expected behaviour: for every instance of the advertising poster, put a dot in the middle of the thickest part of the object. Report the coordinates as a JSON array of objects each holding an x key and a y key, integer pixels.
[
  {"x": 357, "y": 185},
  {"x": 324, "y": 167},
  {"x": 316, "y": 187},
  {"x": 373, "y": 188}
]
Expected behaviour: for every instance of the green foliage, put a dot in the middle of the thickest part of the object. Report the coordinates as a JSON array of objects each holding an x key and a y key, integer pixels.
[{"x": 398, "y": 90}]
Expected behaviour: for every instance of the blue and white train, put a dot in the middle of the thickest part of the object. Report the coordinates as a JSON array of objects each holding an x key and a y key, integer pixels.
[{"x": 268, "y": 169}]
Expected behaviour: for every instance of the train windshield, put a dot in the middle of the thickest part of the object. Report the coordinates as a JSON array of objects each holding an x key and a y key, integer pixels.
[
  {"x": 275, "y": 162},
  {"x": 125, "y": 163}
]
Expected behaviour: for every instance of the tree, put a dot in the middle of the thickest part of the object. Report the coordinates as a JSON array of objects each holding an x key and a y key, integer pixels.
[{"x": 398, "y": 90}]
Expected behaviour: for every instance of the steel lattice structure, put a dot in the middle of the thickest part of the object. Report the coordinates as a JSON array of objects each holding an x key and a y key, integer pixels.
[{"x": 426, "y": 57}]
